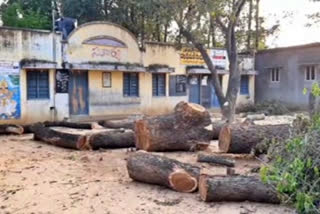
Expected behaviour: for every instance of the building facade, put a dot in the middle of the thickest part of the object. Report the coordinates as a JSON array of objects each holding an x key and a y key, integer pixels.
[
  {"x": 100, "y": 70},
  {"x": 284, "y": 73}
]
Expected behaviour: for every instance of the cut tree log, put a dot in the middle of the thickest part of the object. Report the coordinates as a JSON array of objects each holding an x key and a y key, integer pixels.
[
  {"x": 69, "y": 125},
  {"x": 243, "y": 139},
  {"x": 216, "y": 128},
  {"x": 60, "y": 139},
  {"x": 8, "y": 129},
  {"x": 112, "y": 140},
  {"x": 118, "y": 124},
  {"x": 236, "y": 189},
  {"x": 179, "y": 131},
  {"x": 153, "y": 169},
  {"x": 213, "y": 159},
  {"x": 255, "y": 117}
]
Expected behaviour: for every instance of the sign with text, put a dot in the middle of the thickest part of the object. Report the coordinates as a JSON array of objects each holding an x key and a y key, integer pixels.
[
  {"x": 220, "y": 59},
  {"x": 190, "y": 56}
]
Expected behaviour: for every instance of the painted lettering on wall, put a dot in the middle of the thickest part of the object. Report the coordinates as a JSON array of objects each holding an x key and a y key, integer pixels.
[
  {"x": 103, "y": 52},
  {"x": 10, "y": 107},
  {"x": 190, "y": 56}
]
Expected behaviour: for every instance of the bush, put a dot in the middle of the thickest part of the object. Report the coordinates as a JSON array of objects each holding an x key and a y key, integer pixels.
[
  {"x": 267, "y": 108},
  {"x": 295, "y": 168}
]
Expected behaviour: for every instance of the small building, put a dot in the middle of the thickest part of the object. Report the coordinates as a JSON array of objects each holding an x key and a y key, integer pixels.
[
  {"x": 101, "y": 70},
  {"x": 284, "y": 73}
]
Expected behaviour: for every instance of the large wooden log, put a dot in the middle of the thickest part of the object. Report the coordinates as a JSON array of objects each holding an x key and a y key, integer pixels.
[
  {"x": 118, "y": 124},
  {"x": 216, "y": 128},
  {"x": 179, "y": 131},
  {"x": 112, "y": 140},
  {"x": 212, "y": 159},
  {"x": 8, "y": 129},
  {"x": 153, "y": 169},
  {"x": 60, "y": 139},
  {"x": 236, "y": 189},
  {"x": 243, "y": 139},
  {"x": 69, "y": 125}
]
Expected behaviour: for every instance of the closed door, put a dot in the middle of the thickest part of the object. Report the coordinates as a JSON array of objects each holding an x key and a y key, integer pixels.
[
  {"x": 78, "y": 91},
  {"x": 194, "y": 89}
]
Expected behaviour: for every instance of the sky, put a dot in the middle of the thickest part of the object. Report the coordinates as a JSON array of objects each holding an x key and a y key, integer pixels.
[{"x": 292, "y": 29}]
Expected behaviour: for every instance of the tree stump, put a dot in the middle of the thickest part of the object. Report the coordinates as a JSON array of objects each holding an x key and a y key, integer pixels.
[
  {"x": 153, "y": 169},
  {"x": 179, "y": 131},
  {"x": 112, "y": 140},
  {"x": 243, "y": 139},
  {"x": 236, "y": 189},
  {"x": 60, "y": 139},
  {"x": 8, "y": 129}
]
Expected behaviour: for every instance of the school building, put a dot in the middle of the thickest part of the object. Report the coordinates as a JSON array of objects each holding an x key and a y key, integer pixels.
[{"x": 100, "y": 69}]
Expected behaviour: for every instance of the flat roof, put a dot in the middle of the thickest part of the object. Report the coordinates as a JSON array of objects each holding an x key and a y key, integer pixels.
[{"x": 296, "y": 47}]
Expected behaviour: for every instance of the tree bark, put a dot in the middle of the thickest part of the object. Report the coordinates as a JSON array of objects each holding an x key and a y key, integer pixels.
[
  {"x": 118, "y": 124},
  {"x": 179, "y": 131},
  {"x": 69, "y": 125},
  {"x": 236, "y": 189},
  {"x": 152, "y": 169},
  {"x": 250, "y": 25},
  {"x": 257, "y": 24},
  {"x": 243, "y": 139},
  {"x": 112, "y": 140},
  {"x": 216, "y": 128},
  {"x": 8, "y": 129},
  {"x": 206, "y": 158},
  {"x": 60, "y": 139}
]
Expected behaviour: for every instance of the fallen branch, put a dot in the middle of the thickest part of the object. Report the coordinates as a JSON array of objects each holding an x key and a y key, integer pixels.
[
  {"x": 112, "y": 140},
  {"x": 118, "y": 124},
  {"x": 69, "y": 125},
  {"x": 152, "y": 169},
  {"x": 206, "y": 158}
]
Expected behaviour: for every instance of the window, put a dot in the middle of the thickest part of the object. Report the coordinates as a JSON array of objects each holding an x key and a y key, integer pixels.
[
  {"x": 181, "y": 84},
  {"x": 131, "y": 84},
  {"x": 275, "y": 74},
  {"x": 310, "y": 73},
  {"x": 159, "y": 85},
  {"x": 244, "y": 86},
  {"x": 37, "y": 85},
  {"x": 106, "y": 80}
]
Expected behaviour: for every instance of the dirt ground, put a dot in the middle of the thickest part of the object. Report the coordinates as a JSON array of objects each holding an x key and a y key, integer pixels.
[{"x": 42, "y": 179}]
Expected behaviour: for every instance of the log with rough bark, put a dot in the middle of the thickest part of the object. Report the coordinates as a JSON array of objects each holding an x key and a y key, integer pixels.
[
  {"x": 255, "y": 117},
  {"x": 216, "y": 128},
  {"x": 236, "y": 189},
  {"x": 213, "y": 159},
  {"x": 60, "y": 139},
  {"x": 243, "y": 139},
  {"x": 112, "y": 140},
  {"x": 179, "y": 131},
  {"x": 153, "y": 169},
  {"x": 8, "y": 129},
  {"x": 69, "y": 125},
  {"x": 118, "y": 124}
]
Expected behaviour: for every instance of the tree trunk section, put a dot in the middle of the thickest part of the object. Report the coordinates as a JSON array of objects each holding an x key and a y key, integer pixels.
[
  {"x": 11, "y": 129},
  {"x": 69, "y": 125},
  {"x": 216, "y": 128},
  {"x": 118, "y": 124},
  {"x": 152, "y": 169},
  {"x": 243, "y": 139},
  {"x": 212, "y": 159},
  {"x": 179, "y": 131},
  {"x": 236, "y": 189},
  {"x": 112, "y": 140},
  {"x": 59, "y": 139}
]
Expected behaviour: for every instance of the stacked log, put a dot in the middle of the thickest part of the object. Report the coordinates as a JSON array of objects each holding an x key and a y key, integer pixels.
[
  {"x": 112, "y": 140},
  {"x": 179, "y": 131},
  {"x": 243, "y": 139},
  {"x": 60, "y": 139},
  {"x": 9, "y": 129},
  {"x": 153, "y": 169},
  {"x": 236, "y": 189},
  {"x": 118, "y": 124}
]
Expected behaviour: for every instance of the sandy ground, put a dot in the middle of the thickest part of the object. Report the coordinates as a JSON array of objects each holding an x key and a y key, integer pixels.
[{"x": 38, "y": 178}]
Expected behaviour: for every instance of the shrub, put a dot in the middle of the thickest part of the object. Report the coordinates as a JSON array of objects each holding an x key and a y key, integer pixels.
[{"x": 295, "y": 167}]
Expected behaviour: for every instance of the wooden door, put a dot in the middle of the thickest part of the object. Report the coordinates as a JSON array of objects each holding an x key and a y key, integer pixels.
[{"x": 79, "y": 93}]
